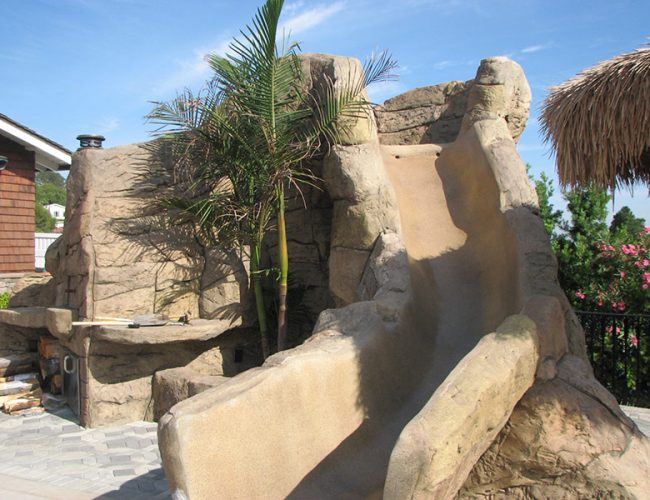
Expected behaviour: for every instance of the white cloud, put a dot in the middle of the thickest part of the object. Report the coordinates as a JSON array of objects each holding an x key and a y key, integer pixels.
[
  {"x": 311, "y": 18},
  {"x": 534, "y": 48},
  {"x": 196, "y": 70},
  {"x": 294, "y": 6},
  {"x": 107, "y": 124},
  {"x": 191, "y": 72},
  {"x": 381, "y": 91},
  {"x": 440, "y": 65}
]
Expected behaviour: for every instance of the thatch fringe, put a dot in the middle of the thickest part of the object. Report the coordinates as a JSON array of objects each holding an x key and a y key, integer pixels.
[{"x": 599, "y": 123}]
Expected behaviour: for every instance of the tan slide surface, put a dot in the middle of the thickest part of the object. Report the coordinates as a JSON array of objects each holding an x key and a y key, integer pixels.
[{"x": 461, "y": 257}]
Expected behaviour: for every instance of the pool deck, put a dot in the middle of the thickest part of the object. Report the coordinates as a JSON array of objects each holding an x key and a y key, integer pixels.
[{"x": 49, "y": 456}]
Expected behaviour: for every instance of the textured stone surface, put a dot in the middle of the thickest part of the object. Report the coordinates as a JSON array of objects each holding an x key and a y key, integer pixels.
[
  {"x": 322, "y": 69},
  {"x": 547, "y": 314},
  {"x": 538, "y": 271},
  {"x": 117, "y": 364},
  {"x": 563, "y": 441},
  {"x": 196, "y": 451},
  {"x": 500, "y": 90},
  {"x": 438, "y": 448},
  {"x": 177, "y": 384},
  {"x": 112, "y": 260},
  {"x": 436, "y": 114},
  {"x": 224, "y": 283},
  {"x": 386, "y": 278},
  {"x": 119, "y": 378},
  {"x": 58, "y": 321},
  {"x": 200, "y": 330},
  {"x": 424, "y": 115},
  {"x": 364, "y": 207},
  {"x": 33, "y": 289}
]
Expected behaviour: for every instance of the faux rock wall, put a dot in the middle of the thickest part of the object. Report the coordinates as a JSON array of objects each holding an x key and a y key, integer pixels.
[
  {"x": 567, "y": 436},
  {"x": 363, "y": 200},
  {"x": 437, "y": 114},
  {"x": 426, "y": 115},
  {"x": 116, "y": 258}
]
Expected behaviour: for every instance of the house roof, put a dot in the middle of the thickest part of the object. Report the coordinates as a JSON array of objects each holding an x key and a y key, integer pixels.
[
  {"x": 49, "y": 154},
  {"x": 599, "y": 123}
]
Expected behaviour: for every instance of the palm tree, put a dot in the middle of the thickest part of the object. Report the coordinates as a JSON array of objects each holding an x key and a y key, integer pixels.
[{"x": 246, "y": 140}]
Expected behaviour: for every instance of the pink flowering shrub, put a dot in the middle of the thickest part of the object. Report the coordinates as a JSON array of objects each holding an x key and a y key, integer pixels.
[{"x": 620, "y": 278}]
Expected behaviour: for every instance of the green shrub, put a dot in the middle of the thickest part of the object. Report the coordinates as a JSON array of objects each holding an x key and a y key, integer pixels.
[{"x": 4, "y": 300}]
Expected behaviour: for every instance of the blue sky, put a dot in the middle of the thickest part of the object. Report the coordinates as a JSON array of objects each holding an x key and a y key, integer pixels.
[{"x": 94, "y": 66}]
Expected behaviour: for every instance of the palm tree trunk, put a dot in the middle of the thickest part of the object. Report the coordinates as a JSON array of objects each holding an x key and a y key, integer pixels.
[
  {"x": 256, "y": 283},
  {"x": 283, "y": 262}
]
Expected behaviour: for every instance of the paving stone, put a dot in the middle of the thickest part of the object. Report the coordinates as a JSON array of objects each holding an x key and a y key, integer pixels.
[
  {"x": 134, "y": 443},
  {"x": 120, "y": 459},
  {"x": 123, "y": 472},
  {"x": 71, "y": 439},
  {"x": 118, "y": 443}
]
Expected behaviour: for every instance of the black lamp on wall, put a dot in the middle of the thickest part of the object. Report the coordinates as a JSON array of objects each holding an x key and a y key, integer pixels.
[{"x": 3, "y": 162}]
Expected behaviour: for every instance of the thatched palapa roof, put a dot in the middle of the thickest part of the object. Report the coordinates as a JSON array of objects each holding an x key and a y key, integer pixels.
[{"x": 599, "y": 123}]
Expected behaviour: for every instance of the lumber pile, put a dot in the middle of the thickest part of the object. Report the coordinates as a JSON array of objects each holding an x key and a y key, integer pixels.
[
  {"x": 49, "y": 350},
  {"x": 24, "y": 377},
  {"x": 19, "y": 383}
]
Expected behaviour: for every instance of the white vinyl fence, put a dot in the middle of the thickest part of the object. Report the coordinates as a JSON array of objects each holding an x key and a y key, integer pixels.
[{"x": 41, "y": 242}]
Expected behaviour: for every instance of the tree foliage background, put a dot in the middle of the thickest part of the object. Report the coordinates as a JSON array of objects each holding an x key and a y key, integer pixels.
[
  {"x": 50, "y": 188},
  {"x": 601, "y": 267}
]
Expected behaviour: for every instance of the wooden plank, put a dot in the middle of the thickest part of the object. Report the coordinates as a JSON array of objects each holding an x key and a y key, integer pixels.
[
  {"x": 16, "y": 240},
  {"x": 20, "y": 376},
  {"x": 16, "y": 226},
  {"x": 21, "y": 404},
  {"x": 19, "y": 211},
  {"x": 20, "y": 219},
  {"x": 49, "y": 348},
  {"x": 17, "y": 188},
  {"x": 18, "y": 387},
  {"x": 18, "y": 180},
  {"x": 56, "y": 384},
  {"x": 36, "y": 393},
  {"x": 17, "y": 363},
  {"x": 19, "y": 196},
  {"x": 11, "y": 203},
  {"x": 17, "y": 259},
  {"x": 16, "y": 369},
  {"x": 16, "y": 268},
  {"x": 18, "y": 359},
  {"x": 16, "y": 250}
]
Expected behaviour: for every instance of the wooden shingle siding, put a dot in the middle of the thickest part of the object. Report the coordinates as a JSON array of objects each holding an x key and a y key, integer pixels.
[{"x": 17, "y": 198}]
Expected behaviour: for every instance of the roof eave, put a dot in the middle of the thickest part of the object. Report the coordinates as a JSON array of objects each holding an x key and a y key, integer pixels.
[{"x": 48, "y": 157}]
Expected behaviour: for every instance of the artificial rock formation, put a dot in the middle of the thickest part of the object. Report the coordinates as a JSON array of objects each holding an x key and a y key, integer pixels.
[
  {"x": 114, "y": 259},
  {"x": 427, "y": 115},
  {"x": 437, "y": 114},
  {"x": 363, "y": 199},
  {"x": 451, "y": 249},
  {"x": 567, "y": 438}
]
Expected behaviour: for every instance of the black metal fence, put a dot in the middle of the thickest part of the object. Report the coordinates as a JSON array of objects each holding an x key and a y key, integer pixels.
[{"x": 619, "y": 348}]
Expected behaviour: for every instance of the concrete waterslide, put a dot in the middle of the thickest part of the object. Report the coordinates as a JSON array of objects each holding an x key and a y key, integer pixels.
[{"x": 399, "y": 393}]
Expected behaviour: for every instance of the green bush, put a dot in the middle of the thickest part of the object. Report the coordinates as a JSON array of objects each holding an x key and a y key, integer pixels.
[{"x": 4, "y": 300}]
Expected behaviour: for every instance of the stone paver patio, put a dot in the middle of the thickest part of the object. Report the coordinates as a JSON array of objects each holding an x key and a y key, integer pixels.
[
  {"x": 51, "y": 448},
  {"x": 49, "y": 456}
]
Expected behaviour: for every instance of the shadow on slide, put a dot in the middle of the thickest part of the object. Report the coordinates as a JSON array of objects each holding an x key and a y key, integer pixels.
[{"x": 463, "y": 277}]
